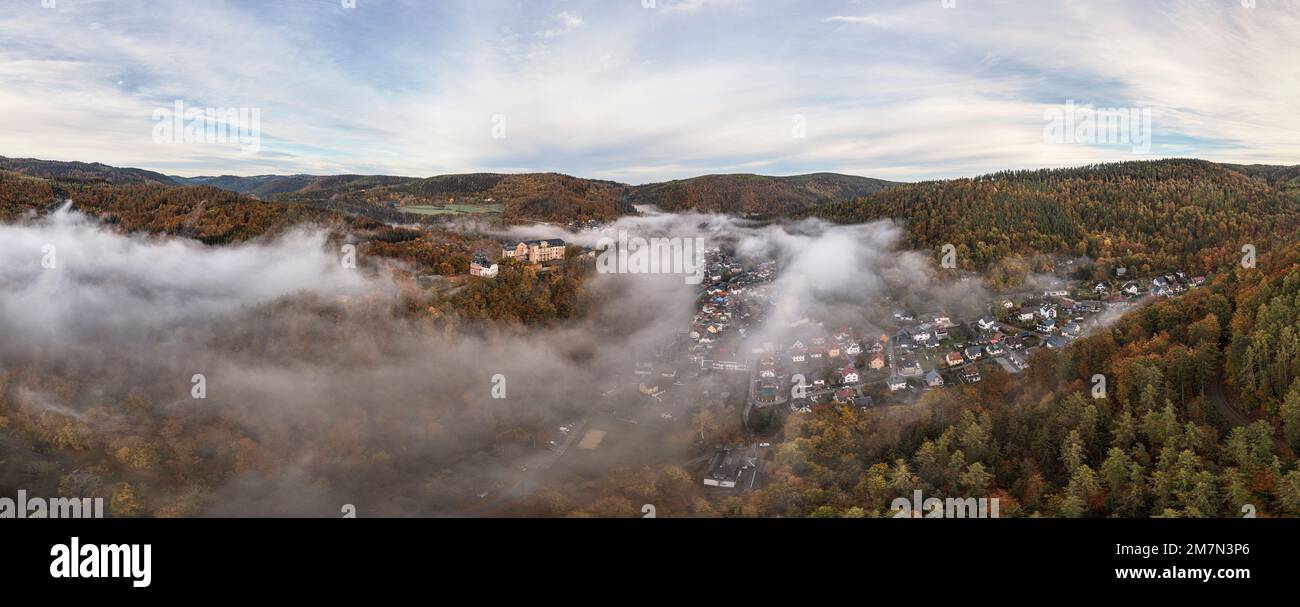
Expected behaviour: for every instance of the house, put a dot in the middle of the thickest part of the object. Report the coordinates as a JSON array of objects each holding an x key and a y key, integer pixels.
[
  {"x": 933, "y": 379},
  {"x": 993, "y": 349},
  {"x": 1018, "y": 361},
  {"x": 730, "y": 468},
  {"x": 974, "y": 353},
  {"x": 534, "y": 251},
  {"x": 1131, "y": 289},
  {"x": 863, "y": 402},
  {"x": 1047, "y": 325},
  {"x": 1101, "y": 289},
  {"x": 1071, "y": 329},
  {"x": 853, "y": 349},
  {"x": 971, "y": 374},
  {"x": 910, "y": 368},
  {"x": 1015, "y": 342},
  {"x": 482, "y": 266},
  {"x": 1047, "y": 311},
  {"x": 988, "y": 323},
  {"x": 877, "y": 361},
  {"x": 1056, "y": 342},
  {"x": 844, "y": 396},
  {"x": 954, "y": 359},
  {"x": 896, "y": 383},
  {"x": 1090, "y": 307},
  {"x": 849, "y": 375},
  {"x": 1026, "y": 314},
  {"x": 942, "y": 320}
]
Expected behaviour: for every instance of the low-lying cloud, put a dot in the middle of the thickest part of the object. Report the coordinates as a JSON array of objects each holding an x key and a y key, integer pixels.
[{"x": 322, "y": 390}]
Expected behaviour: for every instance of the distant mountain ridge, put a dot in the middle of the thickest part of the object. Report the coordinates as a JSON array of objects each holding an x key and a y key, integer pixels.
[
  {"x": 261, "y": 186},
  {"x": 82, "y": 172},
  {"x": 522, "y": 196}
]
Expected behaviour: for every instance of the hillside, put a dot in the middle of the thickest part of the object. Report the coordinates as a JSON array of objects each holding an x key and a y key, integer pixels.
[
  {"x": 219, "y": 217},
  {"x": 1150, "y": 216},
  {"x": 744, "y": 194},
  {"x": 264, "y": 187},
  {"x": 554, "y": 197},
  {"x": 81, "y": 171},
  {"x": 547, "y": 197}
]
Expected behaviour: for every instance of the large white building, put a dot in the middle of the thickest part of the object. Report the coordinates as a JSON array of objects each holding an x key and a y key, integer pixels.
[{"x": 482, "y": 266}]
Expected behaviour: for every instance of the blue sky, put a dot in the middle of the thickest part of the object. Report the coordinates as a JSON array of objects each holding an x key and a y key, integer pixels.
[{"x": 897, "y": 89}]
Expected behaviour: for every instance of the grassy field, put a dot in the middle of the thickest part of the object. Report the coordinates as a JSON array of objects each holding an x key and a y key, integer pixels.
[{"x": 454, "y": 209}]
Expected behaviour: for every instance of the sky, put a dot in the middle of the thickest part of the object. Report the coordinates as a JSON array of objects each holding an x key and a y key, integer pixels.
[{"x": 648, "y": 90}]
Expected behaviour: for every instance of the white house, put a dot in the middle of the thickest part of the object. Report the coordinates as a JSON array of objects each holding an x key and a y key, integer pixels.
[
  {"x": 896, "y": 383},
  {"x": 1047, "y": 325}
]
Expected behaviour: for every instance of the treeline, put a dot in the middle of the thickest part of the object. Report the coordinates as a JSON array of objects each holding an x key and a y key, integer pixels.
[{"x": 1146, "y": 216}]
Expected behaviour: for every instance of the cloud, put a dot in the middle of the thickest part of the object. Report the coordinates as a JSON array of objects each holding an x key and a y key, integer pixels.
[
  {"x": 623, "y": 92},
  {"x": 567, "y": 23},
  {"x": 322, "y": 390}
]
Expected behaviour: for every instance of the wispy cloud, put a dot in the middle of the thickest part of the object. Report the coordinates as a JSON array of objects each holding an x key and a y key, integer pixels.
[{"x": 892, "y": 89}]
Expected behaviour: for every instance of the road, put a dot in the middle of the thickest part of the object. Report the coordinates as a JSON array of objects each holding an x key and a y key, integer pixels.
[{"x": 1219, "y": 396}]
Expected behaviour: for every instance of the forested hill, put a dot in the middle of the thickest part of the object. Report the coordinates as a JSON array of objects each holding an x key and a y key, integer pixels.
[
  {"x": 1149, "y": 216},
  {"x": 1167, "y": 437},
  {"x": 550, "y": 197},
  {"x": 81, "y": 172},
  {"x": 518, "y": 197},
  {"x": 743, "y": 194}
]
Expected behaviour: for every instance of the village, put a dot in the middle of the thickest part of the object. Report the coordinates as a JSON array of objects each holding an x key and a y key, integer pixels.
[
  {"x": 719, "y": 372},
  {"x": 890, "y": 364}
]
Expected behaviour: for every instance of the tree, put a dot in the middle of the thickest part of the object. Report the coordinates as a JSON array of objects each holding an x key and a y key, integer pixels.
[
  {"x": 123, "y": 502},
  {"x": 1290, "y": 414}
]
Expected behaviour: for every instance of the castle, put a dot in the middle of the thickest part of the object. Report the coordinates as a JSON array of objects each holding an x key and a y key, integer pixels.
[{"x": 534, "y": 251}]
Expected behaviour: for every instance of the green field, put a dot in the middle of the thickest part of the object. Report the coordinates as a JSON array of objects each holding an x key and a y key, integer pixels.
[{"x": 453, "y": 209}]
